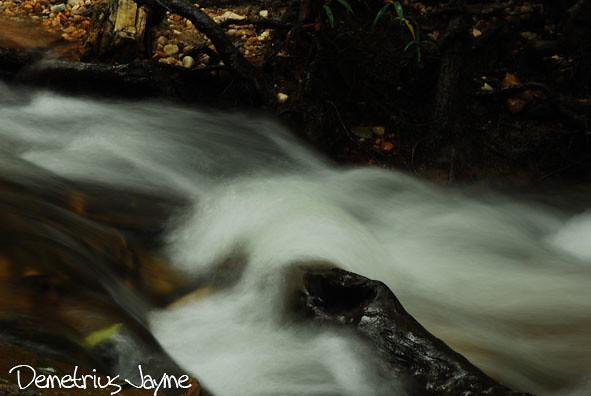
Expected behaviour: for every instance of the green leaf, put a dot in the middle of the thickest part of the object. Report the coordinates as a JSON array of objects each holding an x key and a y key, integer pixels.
[
  {"x": 101, "y": 335},
  {"x": 399, "y": 9},
  {"x": 381, "y": 13},
  {"x": 346, "y": 4},
  {"x": 410, "y": 28},
  {"x": 329, "y": 15}
]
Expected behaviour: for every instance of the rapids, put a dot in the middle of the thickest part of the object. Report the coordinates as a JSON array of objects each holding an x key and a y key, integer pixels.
[{"x": 505, "y": 282}]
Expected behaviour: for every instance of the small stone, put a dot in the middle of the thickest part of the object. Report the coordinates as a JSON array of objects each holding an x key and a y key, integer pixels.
[
  {"x": 228, "y": 15},
  {"x": 171, "y": 49},
  {"x": 486, "y": 87},
  {"x": 74, "y": 3},
  {"x": 169, "y": 60},
  {"x": 264, "y": 13},
  {"x": 188, "y": 62},
  {"x": 265, "y": 35},
  {"x": 476, "y": 33},
  {"x": 282, "y": 98},
  {"x": 161, "y": 40},
  {"x": 58, "y": 8}
]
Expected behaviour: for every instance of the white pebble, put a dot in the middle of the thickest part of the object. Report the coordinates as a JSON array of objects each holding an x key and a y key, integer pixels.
[
  {"x": 188, "y": 62},
  {"x": 282, "y": 98}
]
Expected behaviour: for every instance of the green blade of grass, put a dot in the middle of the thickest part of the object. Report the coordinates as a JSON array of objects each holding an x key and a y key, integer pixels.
[
  {"x": 346, "y": 4},
  {"x": 381, "y": 13}
]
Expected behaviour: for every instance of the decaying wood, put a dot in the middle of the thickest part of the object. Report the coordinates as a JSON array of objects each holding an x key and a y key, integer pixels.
[
  {"x": 117, "y": 33},
  {"x": 417, "y": 358}
]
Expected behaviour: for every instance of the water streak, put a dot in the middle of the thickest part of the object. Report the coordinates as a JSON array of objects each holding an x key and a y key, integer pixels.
[{"x": 505, "y": 283}]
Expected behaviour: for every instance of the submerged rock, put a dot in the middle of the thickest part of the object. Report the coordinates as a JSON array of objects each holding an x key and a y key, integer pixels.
[{"x": 424, "y": 363}]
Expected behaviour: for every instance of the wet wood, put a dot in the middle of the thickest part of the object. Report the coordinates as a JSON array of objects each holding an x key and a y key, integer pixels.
[
  {"x": 422, "y": 361},
  {"x": 117, "y": 32}
]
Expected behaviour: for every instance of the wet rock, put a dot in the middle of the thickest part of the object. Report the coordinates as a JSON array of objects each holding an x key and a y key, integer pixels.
[
  {"x": 425, "y": 363},
  {"x": 171, "y": 49}
]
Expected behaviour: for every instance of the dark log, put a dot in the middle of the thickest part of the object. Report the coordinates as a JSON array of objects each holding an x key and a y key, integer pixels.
[
  {"x": 428, "y": 365},
  {"x": 136, "y": 79},
  {"x": 13, "y": 60}
]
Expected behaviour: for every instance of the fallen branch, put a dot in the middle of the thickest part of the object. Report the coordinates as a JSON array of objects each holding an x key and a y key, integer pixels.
[
  {"x": 136, "y": 79},
  {"x": 229, "y": 54}
]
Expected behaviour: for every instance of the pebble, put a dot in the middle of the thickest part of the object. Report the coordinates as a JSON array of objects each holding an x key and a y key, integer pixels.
[
  {"x": 161, "y": 40},
  {"x": 265, "y": 35},
  {"x": 188, "y": 62},
  {"x": 171, "y": 49},
  {"x": 58, "y": 7},
  {"x": 264, "y": 13},
  {"x": 486, "y": 87},
  {"x": 169, "y": 60},
  {"x": 228, "y": 15},
  {"x": 281, "y": 97}
]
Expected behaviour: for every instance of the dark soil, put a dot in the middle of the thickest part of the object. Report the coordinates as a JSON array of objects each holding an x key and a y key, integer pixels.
[{"x": 529, "y": 123}]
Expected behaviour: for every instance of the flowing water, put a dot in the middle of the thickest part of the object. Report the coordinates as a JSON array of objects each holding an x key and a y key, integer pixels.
[{"x": 505, "y": 283}]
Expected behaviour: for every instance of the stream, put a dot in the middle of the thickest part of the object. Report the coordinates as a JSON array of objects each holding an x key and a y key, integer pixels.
[{"x": 503, "y": 281}]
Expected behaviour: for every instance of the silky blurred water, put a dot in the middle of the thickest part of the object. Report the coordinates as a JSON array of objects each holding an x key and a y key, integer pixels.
[{"x": 504, "y": 282}]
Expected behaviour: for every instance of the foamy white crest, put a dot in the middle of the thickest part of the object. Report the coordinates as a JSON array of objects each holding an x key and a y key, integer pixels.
[{"x": 504, "y": 283}]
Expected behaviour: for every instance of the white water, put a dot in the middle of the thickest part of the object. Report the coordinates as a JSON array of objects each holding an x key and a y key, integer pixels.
[{"x": 504, "y": 283}]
